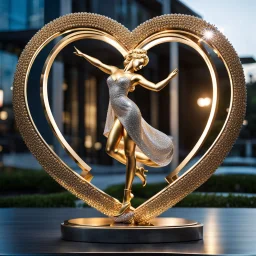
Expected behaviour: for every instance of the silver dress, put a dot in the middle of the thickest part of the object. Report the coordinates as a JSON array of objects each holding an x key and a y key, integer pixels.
[{"x": 152, "y": 142}]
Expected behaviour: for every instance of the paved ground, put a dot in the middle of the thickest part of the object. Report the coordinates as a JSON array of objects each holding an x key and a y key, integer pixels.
[{"x": 227, "y": 231}]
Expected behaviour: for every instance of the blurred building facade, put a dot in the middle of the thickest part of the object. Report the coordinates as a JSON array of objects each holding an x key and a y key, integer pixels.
[{"x": 80, "y": 92}]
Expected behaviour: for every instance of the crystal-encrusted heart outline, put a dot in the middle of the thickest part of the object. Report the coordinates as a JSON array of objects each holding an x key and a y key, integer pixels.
[{"x": 188, "y": 182}]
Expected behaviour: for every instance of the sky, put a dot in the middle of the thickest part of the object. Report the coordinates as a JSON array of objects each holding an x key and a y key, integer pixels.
[
  {"x": 237, "y": 20},
  {"x": 236, "y": 17}
]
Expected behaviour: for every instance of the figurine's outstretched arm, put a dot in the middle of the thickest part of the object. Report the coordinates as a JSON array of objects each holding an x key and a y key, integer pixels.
[
  {"x": 152, "y": 86},
  {"x": 97, "y": 63}
]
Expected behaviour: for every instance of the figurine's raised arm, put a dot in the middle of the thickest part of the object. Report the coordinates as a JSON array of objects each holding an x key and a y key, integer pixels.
[
  {"x": 139, "y": 79},
  {"x": 97, "y": 63}
]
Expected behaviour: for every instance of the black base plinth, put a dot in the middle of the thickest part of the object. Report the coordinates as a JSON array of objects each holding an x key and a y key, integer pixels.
[{"x": 104, "y": 230}]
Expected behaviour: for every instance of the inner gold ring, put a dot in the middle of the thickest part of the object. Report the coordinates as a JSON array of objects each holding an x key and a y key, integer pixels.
[
  {"x": 159, "y": 38},
  {"x": 88, "y": 34},
  {"x": 192, "y": 41}
]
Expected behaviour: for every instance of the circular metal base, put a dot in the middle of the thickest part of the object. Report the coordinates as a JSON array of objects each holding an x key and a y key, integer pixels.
[{"x": 104, "y": 230}]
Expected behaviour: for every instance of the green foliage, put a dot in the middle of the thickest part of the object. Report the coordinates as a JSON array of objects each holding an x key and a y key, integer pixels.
[
  {"x": 64, "y": 199},
  {"x": 28, "y": 181},
  {"x": 137, "y": 189},
  {"x": 197, "y": 200},
  {"x": 217, "y": 183},
  {"x": 39, "y": 183},
  {"x": 237, "y": 183}
]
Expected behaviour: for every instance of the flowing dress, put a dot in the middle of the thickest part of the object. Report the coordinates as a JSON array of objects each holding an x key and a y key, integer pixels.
[{"x": 152, "y": 142}]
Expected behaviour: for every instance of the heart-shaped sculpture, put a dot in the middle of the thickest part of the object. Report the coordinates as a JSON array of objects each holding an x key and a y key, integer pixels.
[{"x": 167, "y": 28}]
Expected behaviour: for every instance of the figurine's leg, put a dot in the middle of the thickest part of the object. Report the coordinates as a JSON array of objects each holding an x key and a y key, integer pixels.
[
  {"x": 112, "y": 149},
  {"x": 142, "y": 158},
  {"x": 129, "y": 148},
  {"x": 114, "y": 139}
]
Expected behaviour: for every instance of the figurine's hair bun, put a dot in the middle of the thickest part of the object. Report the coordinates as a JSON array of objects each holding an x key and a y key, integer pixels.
[{"x": 136, "y": 54}]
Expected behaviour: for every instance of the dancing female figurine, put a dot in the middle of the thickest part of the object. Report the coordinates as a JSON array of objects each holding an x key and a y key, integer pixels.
[{"x": 130, "y": 137}]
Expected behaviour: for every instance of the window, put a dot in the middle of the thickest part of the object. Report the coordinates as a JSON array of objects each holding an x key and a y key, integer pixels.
[
  {"x": 7, "y": 69},
  {"x": 130, "y": 13},
  {"x": 21, "y": 14}
]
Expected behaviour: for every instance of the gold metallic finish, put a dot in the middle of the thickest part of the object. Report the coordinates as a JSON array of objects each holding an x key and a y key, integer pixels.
[
  {"x": 154, "y": 223},
  {"x": 116, "y": 133},
  {"x": 127, "y": 117},
  {"x": 186, "y": 28}
]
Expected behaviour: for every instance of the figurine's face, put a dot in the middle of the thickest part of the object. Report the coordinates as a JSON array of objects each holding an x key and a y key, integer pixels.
[{"x": 138, "y": 64}]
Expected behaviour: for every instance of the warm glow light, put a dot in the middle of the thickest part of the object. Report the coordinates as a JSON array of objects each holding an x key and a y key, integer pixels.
[
  {"x": 204, "y": 102},
  {"x": 214, "y": 245},
  {"x": 208, "y": 34},
  {"x": 245, "y": 122},
  {"x": 64, "y": 86},
  {"x": 66, "y": 117},
  {"x": 88, "y": 141},
  {"x": 1, "y": 98},
  {"x": 3, "y": 115},
  {"x": 97, "y": 145},
  {"x": 1, "y": 148}
]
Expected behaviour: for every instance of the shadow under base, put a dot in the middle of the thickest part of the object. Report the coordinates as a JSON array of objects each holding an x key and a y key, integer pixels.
[{"x": 104, "y": 230}]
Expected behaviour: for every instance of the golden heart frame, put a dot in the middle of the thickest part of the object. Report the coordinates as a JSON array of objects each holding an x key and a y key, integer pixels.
[{"x": 166, "y": 28}]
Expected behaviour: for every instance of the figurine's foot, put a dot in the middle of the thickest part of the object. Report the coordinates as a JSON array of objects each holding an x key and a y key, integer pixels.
[
  {"x": 128, "y": 196},
  {"x": 127, "y": 217},
  {"x": 125, "y": 208},
  {"x": 140, "y": 172}
]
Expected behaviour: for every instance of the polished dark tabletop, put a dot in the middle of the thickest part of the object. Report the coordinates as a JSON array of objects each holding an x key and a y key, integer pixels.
[{"x": 37, "y": 231}]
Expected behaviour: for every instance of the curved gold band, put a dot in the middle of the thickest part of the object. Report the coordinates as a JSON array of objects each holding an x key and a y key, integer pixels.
[
  {"x": 87, "y": 34},
  {"x": 192, "y": 41}
]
